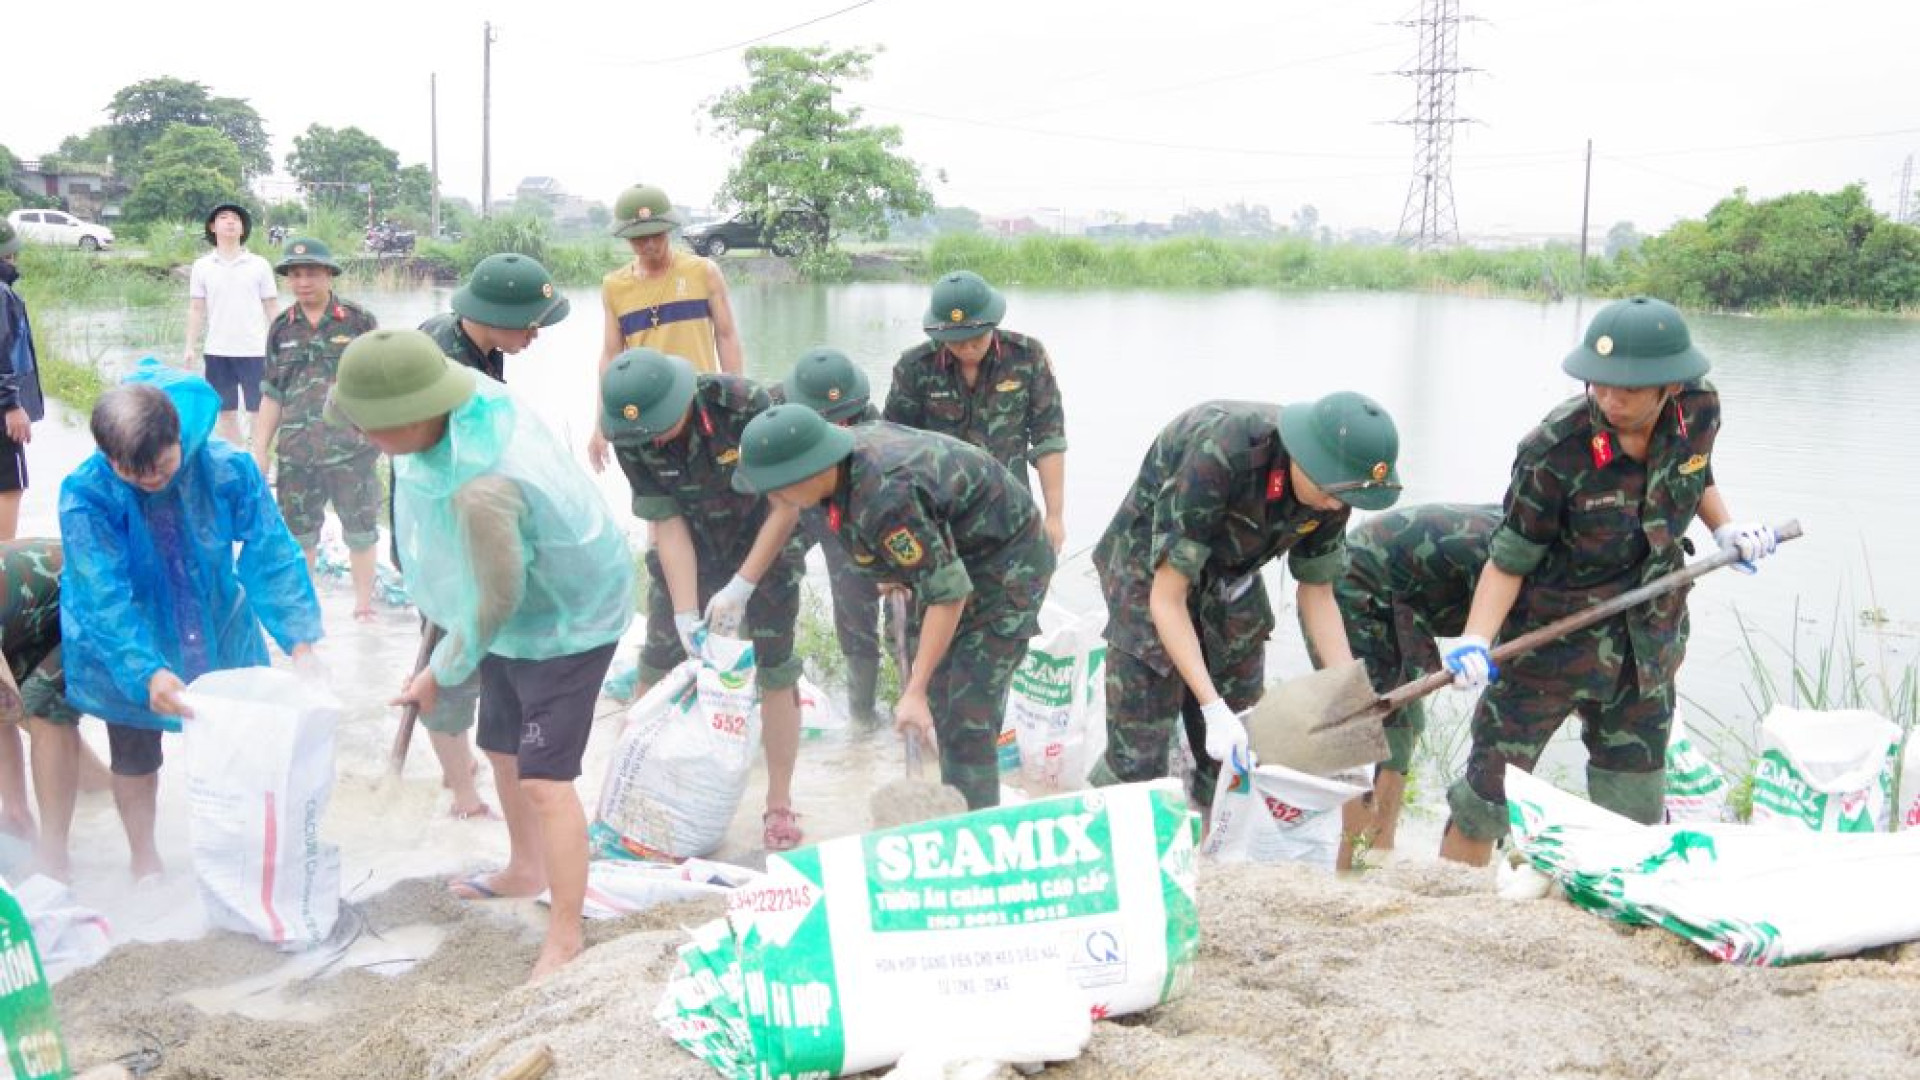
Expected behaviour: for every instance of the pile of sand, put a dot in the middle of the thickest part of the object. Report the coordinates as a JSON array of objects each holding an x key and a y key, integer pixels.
[{"x": 1411, "y": 970}]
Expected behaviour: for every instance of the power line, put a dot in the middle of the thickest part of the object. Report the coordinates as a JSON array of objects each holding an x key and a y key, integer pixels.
[{"x": 756, "y": 39}]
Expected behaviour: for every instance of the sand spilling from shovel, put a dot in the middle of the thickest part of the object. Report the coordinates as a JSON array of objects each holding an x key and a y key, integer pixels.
[{"x": 908, "y": 802}]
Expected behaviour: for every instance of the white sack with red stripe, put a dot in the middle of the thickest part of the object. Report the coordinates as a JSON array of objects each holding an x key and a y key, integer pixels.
[{"x": 259, "y": 774}]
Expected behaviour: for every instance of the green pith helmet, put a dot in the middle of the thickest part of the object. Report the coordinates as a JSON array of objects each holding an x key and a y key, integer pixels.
[
  {"x": 392, "y": 378},
  {"x": 963, "y": 306},
  {"x": 642, "y": 210},
  {"x": 9, "y": 238},
  {"x": 511, "y": 292},
  {"x": 825, "y": 381},
  {"x": 644, "y": 393},
  {"x": 1636, "y": 342},
  {"x": 1346, "y": 444},
  {"x": 246, "y": 220},
  {"x": 305, "y": 251},
  {"x": 785, "y": 445}
]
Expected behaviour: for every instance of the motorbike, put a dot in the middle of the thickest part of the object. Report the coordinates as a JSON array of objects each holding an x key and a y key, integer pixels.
[{"x": 386, "y": 238}]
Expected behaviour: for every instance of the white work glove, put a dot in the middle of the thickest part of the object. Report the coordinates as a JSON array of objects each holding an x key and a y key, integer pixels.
[
  {"x": 1750, "y": 542},
  {"x": 1226, "y": 736},
  {"x": 728, "y": 608},
  {"x": 1471, "y": 664},
  {"x": 688, "y": 623}
]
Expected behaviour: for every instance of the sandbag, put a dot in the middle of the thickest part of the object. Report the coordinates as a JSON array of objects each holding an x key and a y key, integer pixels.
[
  {"x": 1056, "y": 716},
  {"x": 1696, "y": 788},
  {"x": 617, "y": 887},
  {"x": 68, "y": 935},
  {"x": 1276, "y": 814},
  {"x": 1745, "y": 895},
  {"x": 818, "y": 715},
  {"x": 830, "y": 964},
  {"x": 28, "y": 1025},
  {"x": 1825, "y": 771},
  {"x": 683, "y": 759},
  {"x": 1907, "y": 793},
  {"x": 259, "y": 775}
]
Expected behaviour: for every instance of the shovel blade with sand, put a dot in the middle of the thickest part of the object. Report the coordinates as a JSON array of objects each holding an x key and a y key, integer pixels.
[
  {"x": 1332, "y": 719},
  {"x": 911, "y": 799}
]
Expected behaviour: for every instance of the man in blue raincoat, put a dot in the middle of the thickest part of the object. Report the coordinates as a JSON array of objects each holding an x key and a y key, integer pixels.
[
  {"x": 510, "y": 549},
  {"x": 153, "y": 594}
]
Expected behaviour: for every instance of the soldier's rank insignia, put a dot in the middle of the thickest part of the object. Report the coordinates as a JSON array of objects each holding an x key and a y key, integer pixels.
[
  {"x": 1693, "y": 464},
  {"x": 728, "y": 456},
  {"x": 1306, "y": 527},
  {"x": 1010, "y": 384},
  {"x": 339, "y": 339},
  {"x": 863, "y": 558},
  {"x": 904, "y": 547}
]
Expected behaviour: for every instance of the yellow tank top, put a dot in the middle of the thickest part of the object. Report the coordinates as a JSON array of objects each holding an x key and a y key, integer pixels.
[{"x": 670, "y": 312}]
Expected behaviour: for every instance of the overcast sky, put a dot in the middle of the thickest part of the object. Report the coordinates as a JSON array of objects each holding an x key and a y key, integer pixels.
[{"x": 1067, "y": 108}]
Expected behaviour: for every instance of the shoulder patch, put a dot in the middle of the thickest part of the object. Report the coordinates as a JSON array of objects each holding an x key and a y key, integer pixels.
[
  {"x": 728, "y": 456},
  {"x": 1306, "y": 527},
  {"x": 904, "y": 547}
]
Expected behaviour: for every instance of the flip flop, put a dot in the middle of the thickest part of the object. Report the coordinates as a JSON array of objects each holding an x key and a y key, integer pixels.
[
  {"x": 481, "y": 813},
  {"x": 476, "y": 884}
]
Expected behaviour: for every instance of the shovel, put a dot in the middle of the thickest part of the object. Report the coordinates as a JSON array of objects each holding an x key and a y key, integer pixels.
[
  {"x": 403, "y": 738},
  {"x": 911, "y": 800},
  {"x": 1332, "y": 719}
]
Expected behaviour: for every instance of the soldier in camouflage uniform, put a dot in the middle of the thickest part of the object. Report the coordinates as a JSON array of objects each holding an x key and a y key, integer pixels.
[
  {"x": 986, "y": 386},
  {"x": 1602, "y": 494},
  {"x": 677, "y": 436},
  {"x": 33, "y": 692},
  {"x": 319, "y": 462},
  {"x": 1225, "y": 488},
  {"x": 827, "y": 382},
  {"x": 945, "y": 519},
  {"x": 1410, "y": 576},
  {"x": 501, "y": 309}
]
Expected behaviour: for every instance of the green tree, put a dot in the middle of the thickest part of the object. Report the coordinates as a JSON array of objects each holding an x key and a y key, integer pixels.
[
  {"x": 413, "y": 189},
  {"x": 94, "y": 149},
  {"x": 805, "y": 151},
  {"x": 140, "y": 114},
  {"x": 187, "y": 169},
  {"x": 332, "y": 164},
  {"x": 1623, "y": 239}
]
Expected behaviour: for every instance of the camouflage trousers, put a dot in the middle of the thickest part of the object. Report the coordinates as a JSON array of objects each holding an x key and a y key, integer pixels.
[
  {"x": 968, "y": 697},
  {"x": 1142, "y": 704},
  {"x": 771, "y": 613},
  {"x": 856, "y": 598},
  {"x": 353, "y": 487},
  {"x": 1624, "y": 729}
]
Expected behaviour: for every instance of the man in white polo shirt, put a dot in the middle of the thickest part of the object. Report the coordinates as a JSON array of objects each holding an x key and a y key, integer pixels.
[{"x": 232, "y": 298}]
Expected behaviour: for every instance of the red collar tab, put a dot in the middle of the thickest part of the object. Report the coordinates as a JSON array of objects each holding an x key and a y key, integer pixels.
[
  {"x": 706, "y": 422},
  {"x": 833, "y": 516},
  {"x": 1680, "y": 414},
  {"x": 1603, "y": 452},
  {"x": 340, "y": 313},
  {"x": 1276, "y": 483}
]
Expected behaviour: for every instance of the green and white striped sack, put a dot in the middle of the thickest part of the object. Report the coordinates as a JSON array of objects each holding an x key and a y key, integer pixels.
[
  {"x": 1696, "y": 788},
  {"x": 1828, "y": 771}
]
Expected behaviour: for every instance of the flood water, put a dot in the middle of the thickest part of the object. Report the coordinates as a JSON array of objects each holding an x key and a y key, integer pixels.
[{"x": 1813, "y": 430}]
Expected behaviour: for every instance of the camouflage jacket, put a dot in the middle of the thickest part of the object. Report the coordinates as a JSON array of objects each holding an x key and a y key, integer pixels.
[
  {"x": 1012, "y": 410},
  {"x": 29, "y": 602},
  {"x": 945, "y": 518},
  {"x": 446, "y": 332},
  {"x": 1584, "y": 522},
  {"x": 692, "y": 476},
  {"x": 1410, "y": 578},
  {"x": 302, "y": 361},
  {"x": 1214, "y": 501}
]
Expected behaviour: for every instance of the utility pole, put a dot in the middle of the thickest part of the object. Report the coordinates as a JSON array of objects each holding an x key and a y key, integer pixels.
[
  {"x": 1428, "y": 220},
  {"x": 1906, "y": 193},
  {"x": 486, "y": 125},
  {"x": 1586, "y": 204},
  {"x": 433, "y": 122}
]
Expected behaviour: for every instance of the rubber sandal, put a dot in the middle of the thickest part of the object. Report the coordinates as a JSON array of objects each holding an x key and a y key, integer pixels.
[
  {"x": 781, "y": 829},
  {"x": 476, "y": 884},
  {"x": 481, "y": 813}
]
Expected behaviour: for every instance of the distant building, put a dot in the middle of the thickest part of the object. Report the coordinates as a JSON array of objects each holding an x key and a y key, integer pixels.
[
  {"x": 86, "y": 191},
  {"x": 567, "y": 209},
  {"x": 1009, "y": 226}
]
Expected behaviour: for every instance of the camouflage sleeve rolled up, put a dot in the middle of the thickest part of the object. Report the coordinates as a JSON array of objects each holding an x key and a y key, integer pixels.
[
  {"x": 653, "y": 500},
  {"x": 1321, "y": 558},
  {"x": 1046, "y": 417},
  {"x": 1192, "y": 507},
  {"x": 1535, "y": 506},
  {"x": 904, "y": 403}
]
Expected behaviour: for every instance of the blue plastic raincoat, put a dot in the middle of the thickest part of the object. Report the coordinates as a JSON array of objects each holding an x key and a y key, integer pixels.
[
  {"x": 151, "y": 582},
  {"x": 505, "y": 542}
]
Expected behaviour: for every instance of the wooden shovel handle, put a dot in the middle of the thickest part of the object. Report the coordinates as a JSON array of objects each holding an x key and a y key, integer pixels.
[
  {"x": 1580, "y": 620},
  {"x": 409, "y": 713}
]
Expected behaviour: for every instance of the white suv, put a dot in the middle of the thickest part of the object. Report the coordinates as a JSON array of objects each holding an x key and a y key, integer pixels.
[{"x": 60, "y": 227}]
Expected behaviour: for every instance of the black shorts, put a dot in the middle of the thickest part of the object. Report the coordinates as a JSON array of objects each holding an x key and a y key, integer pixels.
[
  {"x": 236, "y": 376},
  {"x": 541, "y": 711},
  {"x": 133, "y": 751},
  {"x": 13, "y": 464}
]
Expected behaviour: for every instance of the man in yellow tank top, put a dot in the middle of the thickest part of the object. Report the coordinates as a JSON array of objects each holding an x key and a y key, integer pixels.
[{"x": 672, "y": 301}]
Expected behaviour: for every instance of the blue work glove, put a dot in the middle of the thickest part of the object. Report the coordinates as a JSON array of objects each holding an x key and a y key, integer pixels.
[
  {"x": 728, "y": 608},
  {"x": 688, "y": 624},
  {"x": 1749, "y": 542},
  {"x": 1226, "y": 735},
  {"x": 1472, "y": 665}
]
